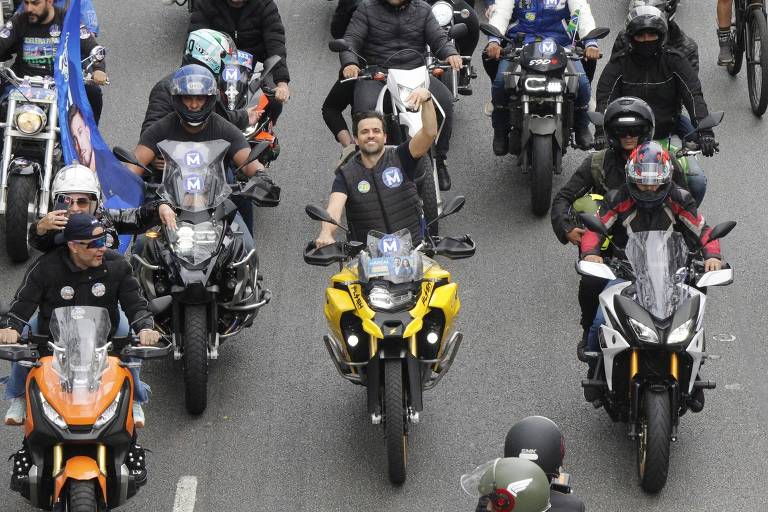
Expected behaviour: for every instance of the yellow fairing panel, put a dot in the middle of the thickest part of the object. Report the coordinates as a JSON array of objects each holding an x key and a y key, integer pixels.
[
  {"x": 364, "y": 312},
  {"x": 337, "y": 302},
  {"x": 446, "y": 297},
  {"x": 421, "y": 309}
]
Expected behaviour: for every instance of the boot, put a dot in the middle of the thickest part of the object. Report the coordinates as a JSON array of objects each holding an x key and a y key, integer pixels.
[
  {"x": 696, "y": 400},
  {"x": 584, "y": 138},
  {"x": 725, "y": 41},
  {"x": 500, "y": 142},
  {"x": 465, "y": 88},
  {"x": 581, "y": 347},
  {"x": 443, "y": 178}
]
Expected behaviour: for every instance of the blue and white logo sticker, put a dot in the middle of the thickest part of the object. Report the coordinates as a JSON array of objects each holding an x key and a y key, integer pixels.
[
  {"x": 363, "y": 187},
  {"x": 5, "y": 33},
  {"x": 193, "y": 159},
  {"x": 389, "y": 245},
  {"x": 193, "y": 184},
  {"x": 392, "y": 177},
  {"x": 231, "y": 74},
  {"x": 548, "y": 47}
]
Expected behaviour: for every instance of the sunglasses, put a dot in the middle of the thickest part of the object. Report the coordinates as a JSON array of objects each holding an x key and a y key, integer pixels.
[
  {"x": 96, "y": 243},
  {"x": 69, "y": 201},
  {"x": 629, "y": 131}
]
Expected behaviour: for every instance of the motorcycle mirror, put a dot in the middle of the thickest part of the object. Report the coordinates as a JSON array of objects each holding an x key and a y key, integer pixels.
[
  {"x": 458, "y": 31},
  {"x": 596, "y": 33},
  {"x": 454, "y": 205},
  {"x": 124, "y": 155},
  {"x": 98, "y": 53},
  {"x": 721, "y": 230},
  {"x": 319, "y": 214},
  {"x": 269, "y": 67},
  {"x": 160, "y": 304},
  {"x": 593, "y": 223},
  {"x": 464, "y": 13},
  {"x": 594, "y": 269},
  {"x": 338, "y": 45},
  {"x": 596, "y": 118},
  {"x": 490, "y": 30},
  {"x": 261, "y": 192},
  {"x": 712, "y": 120}
]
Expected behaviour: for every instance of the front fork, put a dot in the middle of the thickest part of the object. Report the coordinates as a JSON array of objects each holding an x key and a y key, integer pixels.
[
  {"x": 412, "y": 384},
  {"x": 636, "y": 389}
]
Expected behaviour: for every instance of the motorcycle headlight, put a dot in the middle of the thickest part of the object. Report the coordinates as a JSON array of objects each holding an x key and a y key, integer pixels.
[
  {"x": 554, "y": 87},
  {"x": 29, "y": 119},
  {"x": 443, "y": 12},
  {"x": 680, "y": 333},
  {"x": 535, "y": 84},
  {"x": 196, "y": 242},
  {"x": 382, "y": 299},
  {"x": 52, "y": 414},
  {"x": 643, "y": 332},
  {"x": 108, "y": 413}
]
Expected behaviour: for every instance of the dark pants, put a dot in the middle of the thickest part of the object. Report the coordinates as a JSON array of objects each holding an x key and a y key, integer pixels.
[
  {"x": 589, "y": 298},
  {"x": 367, "y": 92},
  {"x": 467, "y": 44},
  {"x": 341, "y": 96},
  {"x": 93, "y": 92}
]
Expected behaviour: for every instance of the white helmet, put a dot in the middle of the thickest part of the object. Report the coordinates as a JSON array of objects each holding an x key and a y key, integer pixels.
[{"x": 76, "y": 179}]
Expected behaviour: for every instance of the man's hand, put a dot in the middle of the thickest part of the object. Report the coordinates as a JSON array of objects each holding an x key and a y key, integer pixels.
[
  {"x": 593, "y": 258},
  {"x": 53, "y": 221},
  {"x": 8, "y": 336},
  {"x": 493, "y": 50},
  {"x": 417, "y": 97},
  {"x": 324, "y": 239},
  {"x": 254, "y": 114},
  {"x": 455, "y": 61},
  {"x": 592, "y": 53},
  {"x": 167, "y": 216},
  {"x": 99, "y": 77},
  {"x": 711, "y": 264},
  {"x": 282, "y": 92},
  {"x": 159, "y": 162},
  {"x": 600, "y": 142},
  {"x": 148, "y": 337},
  {"x": 574, "y": 235},
  {"x": 351, "y": 71},
  {"x": 708, "y": 144}
]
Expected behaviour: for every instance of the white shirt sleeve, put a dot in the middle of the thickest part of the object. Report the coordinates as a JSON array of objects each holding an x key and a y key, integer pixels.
[
  {"x": 586, "y": 20},
  {"x": 502, "y": 15}
]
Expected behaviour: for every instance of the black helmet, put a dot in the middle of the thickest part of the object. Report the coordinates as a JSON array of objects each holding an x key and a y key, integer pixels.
[
  {"x": 671, "y": 8},
  {"x": 646, "y": 18},
  {"x": 649, "y": 164},
  {"x": 628, "y": 115},
  {"x": 538, "y": 439},
  {"x": 668, "y": 7},
  {"x": 194, "y": 80}
]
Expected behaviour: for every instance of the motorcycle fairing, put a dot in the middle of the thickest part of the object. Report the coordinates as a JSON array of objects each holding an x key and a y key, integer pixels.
[
  {"x": 411, "y": 78},
  {"x": 612, "y": 343},
  {"x": 696, "y": 350}
]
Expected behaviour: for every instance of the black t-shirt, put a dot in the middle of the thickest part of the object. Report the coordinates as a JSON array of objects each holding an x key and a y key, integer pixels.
[
  {"x": 406, "y": 158},
  {"x": 170, "y": 128}
]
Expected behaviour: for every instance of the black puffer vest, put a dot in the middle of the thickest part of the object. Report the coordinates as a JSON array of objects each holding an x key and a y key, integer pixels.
[{"x": 383, "y": 199}]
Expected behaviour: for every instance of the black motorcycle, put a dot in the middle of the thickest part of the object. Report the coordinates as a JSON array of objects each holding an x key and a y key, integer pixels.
[
  {"x": 204, "y": 264},
  {"x": 653, "y": 342},
  {"x": 541, "y": 107}
]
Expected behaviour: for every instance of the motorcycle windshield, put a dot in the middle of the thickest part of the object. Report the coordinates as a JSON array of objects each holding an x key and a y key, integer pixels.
[
  {"x": 80, "y": 347},
  {"x": 194, "y": 179},
  {"x": 656, "y": 257},
  {"x": 391, "y": 257}
]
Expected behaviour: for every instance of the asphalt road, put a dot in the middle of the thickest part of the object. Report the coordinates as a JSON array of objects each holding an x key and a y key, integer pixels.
[{"x": 283, "y": 431}]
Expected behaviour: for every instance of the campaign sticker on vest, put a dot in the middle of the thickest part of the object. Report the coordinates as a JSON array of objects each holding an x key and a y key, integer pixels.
[
  {"x": 84, "y": 33},
  {"x": 54, "y": 30},
  {"x": 530, "y": 16},
  {"x": 363, "y": 187},
  {"x": 98, "y": 290},
  {"x": 67, "y": 293},
  {"x": 392, "y": 177},
  {"x": 548, "y": 47},
  {"x": 193, "y": 159},
  {"x": 110, "y": 240},
  {"x": 389, "y": 245},
  {"x": 5, "y": 33},
  {"x": 193, "y": 184}
]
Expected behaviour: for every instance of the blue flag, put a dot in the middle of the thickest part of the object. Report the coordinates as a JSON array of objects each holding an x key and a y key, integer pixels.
[{"x": 80, "y": 138}]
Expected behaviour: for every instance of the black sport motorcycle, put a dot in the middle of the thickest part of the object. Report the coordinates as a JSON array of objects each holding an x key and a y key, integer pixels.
[
  {"x": 204, "y": 265},
  {"x": 541, "y": 107},
  {"x": 653, "y": 343}
]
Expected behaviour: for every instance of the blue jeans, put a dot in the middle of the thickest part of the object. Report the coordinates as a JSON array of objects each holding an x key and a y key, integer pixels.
[
  {"x": 500, "y": 97},
  {"x": 592, "y": 344},
  {"x": 697, "y": 180},
  {"x": 16, "y": 382}
]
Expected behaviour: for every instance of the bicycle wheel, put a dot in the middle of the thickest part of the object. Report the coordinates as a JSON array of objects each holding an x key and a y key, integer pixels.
[{"x": 757, "y": 61}]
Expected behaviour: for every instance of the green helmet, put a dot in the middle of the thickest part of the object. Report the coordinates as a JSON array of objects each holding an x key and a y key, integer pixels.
[
  {"x": 209, "y": 48},
  {"x": 512, "y": 484}
]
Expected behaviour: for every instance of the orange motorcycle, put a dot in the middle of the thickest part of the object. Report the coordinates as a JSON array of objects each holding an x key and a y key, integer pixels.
[{"x": 80, "y": 452}]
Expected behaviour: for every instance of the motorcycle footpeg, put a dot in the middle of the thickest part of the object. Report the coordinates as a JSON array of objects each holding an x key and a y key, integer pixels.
[
  {"x": 705, "y": 384},
  {"x": 593, "y": 355},
  {"x": 593, "y": 383}
]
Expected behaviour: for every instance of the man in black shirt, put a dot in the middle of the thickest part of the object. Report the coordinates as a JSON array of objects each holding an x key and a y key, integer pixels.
[
  {"x": 33, "y": 37},
  {"x": 376, "y": 186}
]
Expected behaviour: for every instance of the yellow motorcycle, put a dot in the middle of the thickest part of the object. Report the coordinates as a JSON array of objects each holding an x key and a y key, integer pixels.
[{"x": 391, "y": 312}]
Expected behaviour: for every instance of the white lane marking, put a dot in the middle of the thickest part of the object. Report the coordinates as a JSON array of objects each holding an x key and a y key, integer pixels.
[{"x": 186, "y": 491}]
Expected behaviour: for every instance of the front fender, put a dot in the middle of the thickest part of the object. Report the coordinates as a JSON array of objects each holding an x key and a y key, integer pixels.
[
  {"x": 25, "y": 167},
  {"x": 542, "y": 126},
  {"x": 83, "y": 469}
]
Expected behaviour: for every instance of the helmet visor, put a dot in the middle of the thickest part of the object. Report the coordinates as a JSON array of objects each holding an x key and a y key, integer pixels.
[
  {"x": 470, "y": 482},
  {"x": 649, "y": 173},
  {"x": 194, "y": 85}
]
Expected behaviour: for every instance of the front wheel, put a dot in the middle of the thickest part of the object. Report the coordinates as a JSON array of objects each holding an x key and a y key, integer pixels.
[
  {"x": 21, "y": 212},
  {"x": 542, "y": 163},
  {"x": 395, "y": 434},
  {"x": 81, "y": 496},
  {"x": 757, "y": 62},
  {"x": 196, "y": 358},
  {"x": 654, "y": 439}
]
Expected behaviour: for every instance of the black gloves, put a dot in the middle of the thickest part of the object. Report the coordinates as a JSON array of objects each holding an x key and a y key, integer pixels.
[
  {"x": 707, "y": 143},
  {"x": 600, "y": 142}
]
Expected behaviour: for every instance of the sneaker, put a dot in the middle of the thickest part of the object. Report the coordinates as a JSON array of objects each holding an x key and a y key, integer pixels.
[
  {"x": 725, "y": 41},
  {"x": 500, "y": 142},
  {"x": 584, "y": 137},
  {"x": 138, "y": 415},
  {"x": 443, "y": 178},
  {"x": 17, "y": 412}
]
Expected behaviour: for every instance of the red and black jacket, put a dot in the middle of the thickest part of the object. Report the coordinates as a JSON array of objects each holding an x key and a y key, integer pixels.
[{"x": 677, "y": 213}]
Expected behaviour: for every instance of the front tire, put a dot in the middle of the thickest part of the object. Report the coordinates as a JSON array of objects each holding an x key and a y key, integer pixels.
[
  {"x": 653, "y": 444},
  {"x": 81, "y": 496},
  {"x": 395, "y": 434},
  {"x": 195, "y": 358},
  {"x": 757, "y": 79},
  {"x": 21, "y": 212},
  {"x": 541, "y": 174}
]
